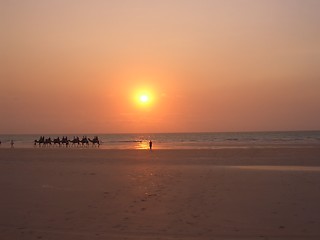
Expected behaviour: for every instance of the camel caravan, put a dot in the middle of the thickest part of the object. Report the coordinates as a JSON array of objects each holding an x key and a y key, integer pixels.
[{"x": 64, "y": 141}]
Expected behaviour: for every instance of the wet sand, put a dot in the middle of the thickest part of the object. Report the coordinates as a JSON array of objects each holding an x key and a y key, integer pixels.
[{"x": 258, "y": 193}]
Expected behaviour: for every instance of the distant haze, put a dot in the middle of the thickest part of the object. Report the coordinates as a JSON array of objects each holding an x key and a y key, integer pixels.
[{"x": 209, "y": 65}]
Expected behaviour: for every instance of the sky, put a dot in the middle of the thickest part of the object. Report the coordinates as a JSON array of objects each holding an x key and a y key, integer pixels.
[{"x": 206, "y": 65}]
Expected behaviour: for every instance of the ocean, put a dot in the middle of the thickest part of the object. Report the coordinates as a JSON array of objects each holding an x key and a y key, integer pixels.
[{"x": 181, "y": 140}]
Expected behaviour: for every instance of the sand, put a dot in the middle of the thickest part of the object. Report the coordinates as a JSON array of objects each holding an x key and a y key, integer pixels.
[{"x": 259, "y": 193}]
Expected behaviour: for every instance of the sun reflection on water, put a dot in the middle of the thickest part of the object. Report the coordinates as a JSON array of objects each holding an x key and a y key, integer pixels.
[{"x": 142, "y": 145}]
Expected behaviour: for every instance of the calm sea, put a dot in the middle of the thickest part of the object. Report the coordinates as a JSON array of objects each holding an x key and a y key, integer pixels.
[{"x": 183, "y": 140}]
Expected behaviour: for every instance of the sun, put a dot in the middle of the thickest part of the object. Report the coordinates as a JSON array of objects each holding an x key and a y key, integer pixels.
[{"x": 144, "y": 98}]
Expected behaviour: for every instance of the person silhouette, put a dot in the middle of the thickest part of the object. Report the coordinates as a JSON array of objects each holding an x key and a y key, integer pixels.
[
  {"x": 150, "y": 145},
  {"x": 11, "y": 143}
]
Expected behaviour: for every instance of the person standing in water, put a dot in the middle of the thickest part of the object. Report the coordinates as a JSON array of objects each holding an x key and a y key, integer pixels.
[
  {"x": 150, "y": 145},
  {"x": 11, "y": 143}
]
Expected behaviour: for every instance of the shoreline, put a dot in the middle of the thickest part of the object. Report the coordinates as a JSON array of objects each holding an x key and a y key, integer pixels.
[
  {"x": 183, "y": 140},
  {"x": 144, "y": 146}
]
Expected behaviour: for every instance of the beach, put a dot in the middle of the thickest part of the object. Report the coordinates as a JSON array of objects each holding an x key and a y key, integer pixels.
[{"x": 238, "y": 193}]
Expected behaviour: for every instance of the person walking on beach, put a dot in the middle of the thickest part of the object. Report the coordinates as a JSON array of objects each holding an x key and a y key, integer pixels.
[
  {"x": 11, "y": 143},
  {"x": 150, "y": 145}
]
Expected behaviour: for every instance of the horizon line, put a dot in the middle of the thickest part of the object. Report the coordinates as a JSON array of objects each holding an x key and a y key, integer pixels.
[{"x": 178, "y": 132}]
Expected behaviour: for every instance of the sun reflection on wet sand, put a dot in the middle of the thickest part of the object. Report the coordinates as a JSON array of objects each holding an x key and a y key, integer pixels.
[{"x": 142, "y": 145}]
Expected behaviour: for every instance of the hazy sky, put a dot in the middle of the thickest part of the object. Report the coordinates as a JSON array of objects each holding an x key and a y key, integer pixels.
[{"x": 208, "y": 65}]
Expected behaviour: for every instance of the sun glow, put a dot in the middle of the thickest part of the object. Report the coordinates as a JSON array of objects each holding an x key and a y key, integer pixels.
[{"x": 144, "y": 98}]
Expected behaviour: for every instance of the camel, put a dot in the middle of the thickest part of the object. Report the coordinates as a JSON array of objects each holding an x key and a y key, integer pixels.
[
  {"x": 47, "y": 141},
  {"x": 84, "y": 140},
  {"x": 75, "y": 140},
  {"x": 57, "y": 141},
  {"x": 95, "y": 141},
  {"x": 64, "y": 141},
  {"x": 43, "y": 141},
  {"x": 40, "y": 141}
]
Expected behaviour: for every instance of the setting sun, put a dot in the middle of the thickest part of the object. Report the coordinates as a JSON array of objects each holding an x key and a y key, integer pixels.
[{"x": 144, "y": 98}]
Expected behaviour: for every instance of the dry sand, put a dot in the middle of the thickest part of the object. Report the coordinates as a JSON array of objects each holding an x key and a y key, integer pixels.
[{"x": 263, "y": 193}]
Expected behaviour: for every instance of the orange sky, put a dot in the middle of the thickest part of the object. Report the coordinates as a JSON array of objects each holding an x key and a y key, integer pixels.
[{"x": 238, "y": 65}]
